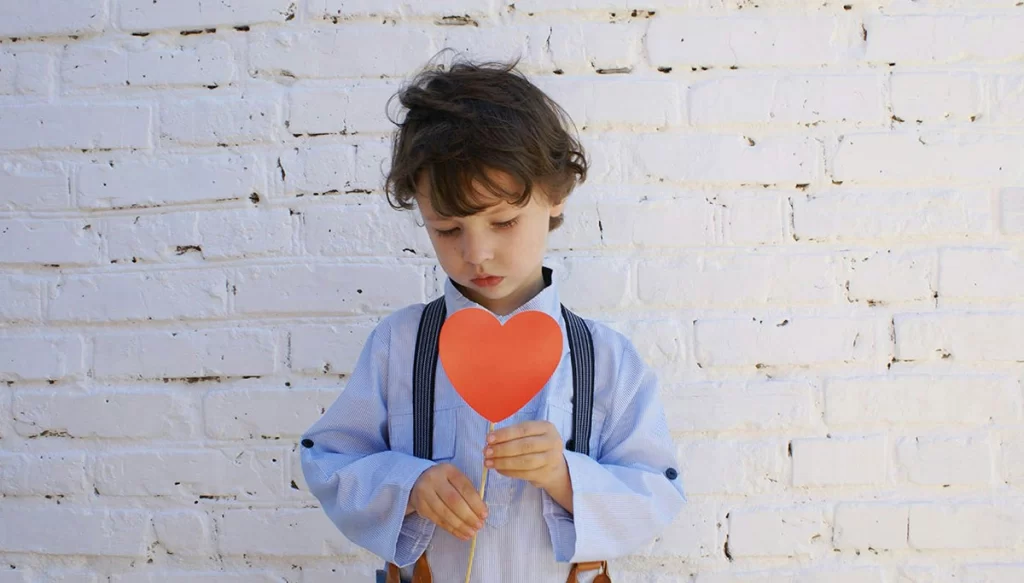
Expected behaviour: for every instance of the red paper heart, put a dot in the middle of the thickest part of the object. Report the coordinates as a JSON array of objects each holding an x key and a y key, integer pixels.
[{"x": 498, "y": 369}]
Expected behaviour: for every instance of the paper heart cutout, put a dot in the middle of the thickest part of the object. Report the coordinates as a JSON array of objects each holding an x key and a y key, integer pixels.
[{"x": 499, "y": 369}]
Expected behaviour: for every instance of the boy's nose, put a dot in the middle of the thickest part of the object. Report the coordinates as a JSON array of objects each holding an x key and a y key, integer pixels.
[{"x": 477, "y": 249}]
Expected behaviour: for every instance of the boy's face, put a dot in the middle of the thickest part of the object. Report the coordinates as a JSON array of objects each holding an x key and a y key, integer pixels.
[{"x": 495, "y": 256}]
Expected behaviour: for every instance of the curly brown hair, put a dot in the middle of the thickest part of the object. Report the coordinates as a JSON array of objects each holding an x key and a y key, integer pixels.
[{"x": 465, "y": 119}]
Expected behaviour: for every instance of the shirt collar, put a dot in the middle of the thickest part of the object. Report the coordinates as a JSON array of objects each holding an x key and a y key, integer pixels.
[{"x": 546, "y": 301}]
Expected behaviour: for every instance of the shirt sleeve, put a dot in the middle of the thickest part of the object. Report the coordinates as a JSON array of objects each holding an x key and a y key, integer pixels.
[
  {"x": 623, "y": 499},
  {"x": 361, "y": 484}
]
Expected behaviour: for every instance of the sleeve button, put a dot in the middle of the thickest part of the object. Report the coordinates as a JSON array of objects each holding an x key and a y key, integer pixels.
[
  {"x": 671, "y": 474},
  {"x": 307, "y": 443}
]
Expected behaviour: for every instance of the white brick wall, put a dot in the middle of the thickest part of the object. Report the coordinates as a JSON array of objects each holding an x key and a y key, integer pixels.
[{"x": 809, "y": 216}]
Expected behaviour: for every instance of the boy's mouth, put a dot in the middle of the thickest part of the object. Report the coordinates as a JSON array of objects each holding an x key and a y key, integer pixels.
[{"x": 489, "y": 281}]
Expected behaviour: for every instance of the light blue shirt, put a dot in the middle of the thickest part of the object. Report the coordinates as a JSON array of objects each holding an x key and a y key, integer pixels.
[{"x": 360, "y": 464}]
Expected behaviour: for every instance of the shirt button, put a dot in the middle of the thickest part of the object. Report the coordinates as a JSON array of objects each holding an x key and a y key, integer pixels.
[
  {"x": 671, "y": 474},
  {"x": 570, "y": 445},
  {"x": 307, "y": 443}
]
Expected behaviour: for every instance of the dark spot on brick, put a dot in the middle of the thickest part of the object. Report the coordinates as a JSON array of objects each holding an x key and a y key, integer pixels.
[
  {"x": 294, "y": 485},
  {"x": 558, "y": 71},
  {"x": 461, "y": 20},
  {"x": 242, "y": 28},
  {"x": 192, "y": 380},
  {"x": 183, "y": 249},
  {"x": 254, "y": 197}
]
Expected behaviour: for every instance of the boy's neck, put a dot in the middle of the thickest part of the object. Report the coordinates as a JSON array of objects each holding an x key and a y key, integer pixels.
[{"x": 512, "y": 302}]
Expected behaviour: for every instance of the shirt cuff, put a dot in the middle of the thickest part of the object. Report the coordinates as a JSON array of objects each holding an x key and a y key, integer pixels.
[
  {"x": 416, "y": 531},
  {"x": 561, "y": 523}
]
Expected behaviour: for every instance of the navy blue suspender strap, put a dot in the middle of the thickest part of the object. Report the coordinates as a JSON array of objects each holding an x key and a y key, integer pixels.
[
  {"x": 581, "y": 353},
  {"x": 424, "y": 371}
]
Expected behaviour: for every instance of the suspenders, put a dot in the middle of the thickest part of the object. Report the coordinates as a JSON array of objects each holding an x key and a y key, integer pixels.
[{"x": 581, "y": 348}]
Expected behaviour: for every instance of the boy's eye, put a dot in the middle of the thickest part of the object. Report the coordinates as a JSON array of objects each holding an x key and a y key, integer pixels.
[
  {"x": 455, "y": 230},
  {"x": 507, "y": 224}
]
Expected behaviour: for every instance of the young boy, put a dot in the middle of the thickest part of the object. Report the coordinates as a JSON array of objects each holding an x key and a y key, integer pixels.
[{"x": 486, "y": 158}]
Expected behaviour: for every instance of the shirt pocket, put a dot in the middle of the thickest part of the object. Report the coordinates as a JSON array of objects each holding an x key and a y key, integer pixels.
[{"x": 400, "y": 433}]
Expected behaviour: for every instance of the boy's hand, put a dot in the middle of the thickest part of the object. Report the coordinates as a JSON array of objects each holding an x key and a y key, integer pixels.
[
  {"x": 531, "y": 451},
  {"x": 446, "y": 497}
]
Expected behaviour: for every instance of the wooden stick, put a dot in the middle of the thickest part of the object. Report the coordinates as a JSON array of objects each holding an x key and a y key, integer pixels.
[{"x": 483, "y": 487}]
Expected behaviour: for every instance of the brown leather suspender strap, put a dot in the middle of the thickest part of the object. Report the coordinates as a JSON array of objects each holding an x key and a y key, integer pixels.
[
  {"x": 602, "y": 566},
  {"x": 420, "y": 573}
]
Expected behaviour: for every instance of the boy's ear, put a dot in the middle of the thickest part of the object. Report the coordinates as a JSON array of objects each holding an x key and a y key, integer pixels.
[{"x": 556, "y": 210}]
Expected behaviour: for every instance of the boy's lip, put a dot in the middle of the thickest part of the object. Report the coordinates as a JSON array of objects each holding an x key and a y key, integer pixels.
[{"x": 487, "y": 280}]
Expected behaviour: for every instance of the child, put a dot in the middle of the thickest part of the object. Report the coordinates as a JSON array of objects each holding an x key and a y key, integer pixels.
[{"x": 487, "y": 160}]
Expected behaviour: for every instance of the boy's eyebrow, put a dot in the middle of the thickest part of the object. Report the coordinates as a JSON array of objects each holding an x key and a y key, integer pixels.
[{"x": 489, "y": 211}]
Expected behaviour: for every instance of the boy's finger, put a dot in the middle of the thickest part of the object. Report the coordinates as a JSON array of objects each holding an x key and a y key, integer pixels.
[
  {"x": 461, "y": 483},
  {"x": 518, "y": 431},
  {"x": 455, "y": 501},
  {"x": 530, "y": 461},
  {"x": 526, "y": 445},
  {"x": 448, "y": 520},
  {"x": 438, "y": 513}
]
